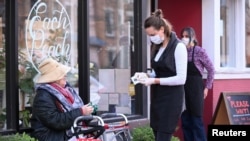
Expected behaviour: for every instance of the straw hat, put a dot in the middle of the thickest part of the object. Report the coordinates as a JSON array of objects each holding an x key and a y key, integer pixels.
[{"x": 51, "y": 71}]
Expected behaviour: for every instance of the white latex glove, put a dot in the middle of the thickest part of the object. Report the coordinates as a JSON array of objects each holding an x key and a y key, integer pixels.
[
  {"x": 140, "y": 74},
  {"x": 148, "y": 81}
]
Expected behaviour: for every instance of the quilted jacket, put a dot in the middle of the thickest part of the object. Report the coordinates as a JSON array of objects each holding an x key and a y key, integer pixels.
[{"x": 49, "y": 123}]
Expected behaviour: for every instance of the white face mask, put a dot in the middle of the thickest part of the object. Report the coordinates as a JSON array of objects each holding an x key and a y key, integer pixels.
[
  {"x": 185, "y": 41},
  {"x": 156, "y": 39}
]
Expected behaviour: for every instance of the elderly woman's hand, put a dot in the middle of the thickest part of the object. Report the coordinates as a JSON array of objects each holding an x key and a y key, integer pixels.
[{"x": 87, "y": 109}]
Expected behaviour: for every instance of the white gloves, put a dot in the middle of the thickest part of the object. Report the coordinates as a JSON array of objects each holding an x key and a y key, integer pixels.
[
  {"x": 141, "y": 77},
  {"x": 148, "y": 81},
  {"x": 138, "y": 77}
]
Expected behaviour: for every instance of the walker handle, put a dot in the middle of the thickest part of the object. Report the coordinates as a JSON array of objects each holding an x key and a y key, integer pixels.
[{"x": 84, "y": 118}]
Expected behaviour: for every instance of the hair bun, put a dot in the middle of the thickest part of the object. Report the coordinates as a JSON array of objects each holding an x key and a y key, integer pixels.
[{"x": 158, "y": 13}]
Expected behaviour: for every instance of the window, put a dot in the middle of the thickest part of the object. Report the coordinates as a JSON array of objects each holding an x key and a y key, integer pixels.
[
  {"x": 2, "y": 66},
  {"x": 234, "y": 46},
  {"x": 224, "y": 29},
  {"x": 247, "y": 8},
  {"x": 233, "y": 39},
  {"x": 228, "y": 45},
  {"x": 46, "y": 29},
  {"x": 110, "y": 58},
  {"x": 49, "y": 28}
]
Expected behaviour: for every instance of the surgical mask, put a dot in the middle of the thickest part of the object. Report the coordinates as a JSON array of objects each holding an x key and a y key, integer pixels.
[
  {"x": 156, "y": 39},
  {"x": 185, "y": 41}
]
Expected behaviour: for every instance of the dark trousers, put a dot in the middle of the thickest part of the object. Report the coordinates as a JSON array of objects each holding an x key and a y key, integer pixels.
[
  {"x": 162, "y": 136},
  {"x": 193, "y": 127}
]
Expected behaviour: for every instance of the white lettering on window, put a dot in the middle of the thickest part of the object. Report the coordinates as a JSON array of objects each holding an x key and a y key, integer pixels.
[{"x": 47, "y": 32}]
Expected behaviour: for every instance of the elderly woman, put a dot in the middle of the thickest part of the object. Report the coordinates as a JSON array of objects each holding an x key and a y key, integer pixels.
[{"x": 56, "y": 103}]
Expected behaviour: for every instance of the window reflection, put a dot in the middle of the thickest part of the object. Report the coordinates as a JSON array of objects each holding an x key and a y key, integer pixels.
[
  {"x": 111, "y": 50},
  {"x": 2, "y": 67},
  {"x": 247, "y": 6},
  {"x": 47, "y": 28},
  {"x": 109, "y": 24},
  {"x": 227, "y": 47}
]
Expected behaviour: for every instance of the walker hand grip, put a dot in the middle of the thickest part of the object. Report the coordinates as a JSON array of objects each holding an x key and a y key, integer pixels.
[
  {"x": 89, "y": 128},
  {"x": 74, "y": 128},
  {"x": 88, "y": 118},
  {"x": 82, "y": 118}
]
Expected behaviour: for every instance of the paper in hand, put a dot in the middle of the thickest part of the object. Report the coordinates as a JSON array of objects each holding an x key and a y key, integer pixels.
[{"x": 138, "y": 78}]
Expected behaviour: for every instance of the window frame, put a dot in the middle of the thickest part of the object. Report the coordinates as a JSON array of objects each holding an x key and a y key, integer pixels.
[
  {"x": 12, "y": 89},
  {"x": 211, "y": 39}
]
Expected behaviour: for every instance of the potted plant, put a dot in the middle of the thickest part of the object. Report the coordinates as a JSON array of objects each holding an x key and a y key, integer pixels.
[
  {"x": 25, "y": 117},
  {"x": 2, "y": 58},
  {"x": 17, "y": 137},
  {"x": 26, "y": 75},
  {"x": 145, "y": 133},
  {"x": 27, "y": 88},
  {"x": 2, "y": 117},
  {"x": 2, "y": 68}
]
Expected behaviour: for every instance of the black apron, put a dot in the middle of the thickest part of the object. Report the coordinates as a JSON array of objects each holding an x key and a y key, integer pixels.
[
  {"x": 194, "y": 89},
  {"x": 166, "y": 101}
]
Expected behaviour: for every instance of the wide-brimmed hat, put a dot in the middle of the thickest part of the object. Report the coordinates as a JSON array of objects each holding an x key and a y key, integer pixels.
[{"x": 51, "y": 71}]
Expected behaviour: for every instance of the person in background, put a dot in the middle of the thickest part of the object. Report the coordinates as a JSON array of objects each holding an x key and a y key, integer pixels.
[
  {"x": 168, "y": 76},
  {"x": 56, "y": 104},
  {"x": 195, "y": 90}
]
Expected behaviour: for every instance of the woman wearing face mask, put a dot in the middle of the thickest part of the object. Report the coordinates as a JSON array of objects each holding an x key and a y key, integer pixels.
[
  {"x": 169, "y": 67},
  {"x": 195, "y": 90}
]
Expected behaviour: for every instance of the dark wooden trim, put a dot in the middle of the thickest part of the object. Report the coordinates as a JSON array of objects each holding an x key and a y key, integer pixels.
[
  {"x": 83, "y": 49},
  {"x": 12, "y": 65},
  {"x": 140, "y": 43},
  {"x": 154, "y": 5}
]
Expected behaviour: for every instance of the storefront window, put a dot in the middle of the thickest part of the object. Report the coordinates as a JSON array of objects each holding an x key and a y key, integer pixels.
[
  {"x": 227, "y": 50},
  {"x": 2, "y": 67},
  {"x": 46, "y": 28},
  {"x": 111, "y": 49},
  {"x": 247, "y": 33}
]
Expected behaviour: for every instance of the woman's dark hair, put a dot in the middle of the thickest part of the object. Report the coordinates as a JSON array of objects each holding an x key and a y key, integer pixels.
[
  {"x": 157, "y": 21},
  {"x": 191, "y": 34}
]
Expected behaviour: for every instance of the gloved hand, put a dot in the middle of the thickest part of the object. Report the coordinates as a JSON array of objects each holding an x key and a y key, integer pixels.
[
  {"x": 140, "y": 74},
  {"x": 148, "y": 81}
]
